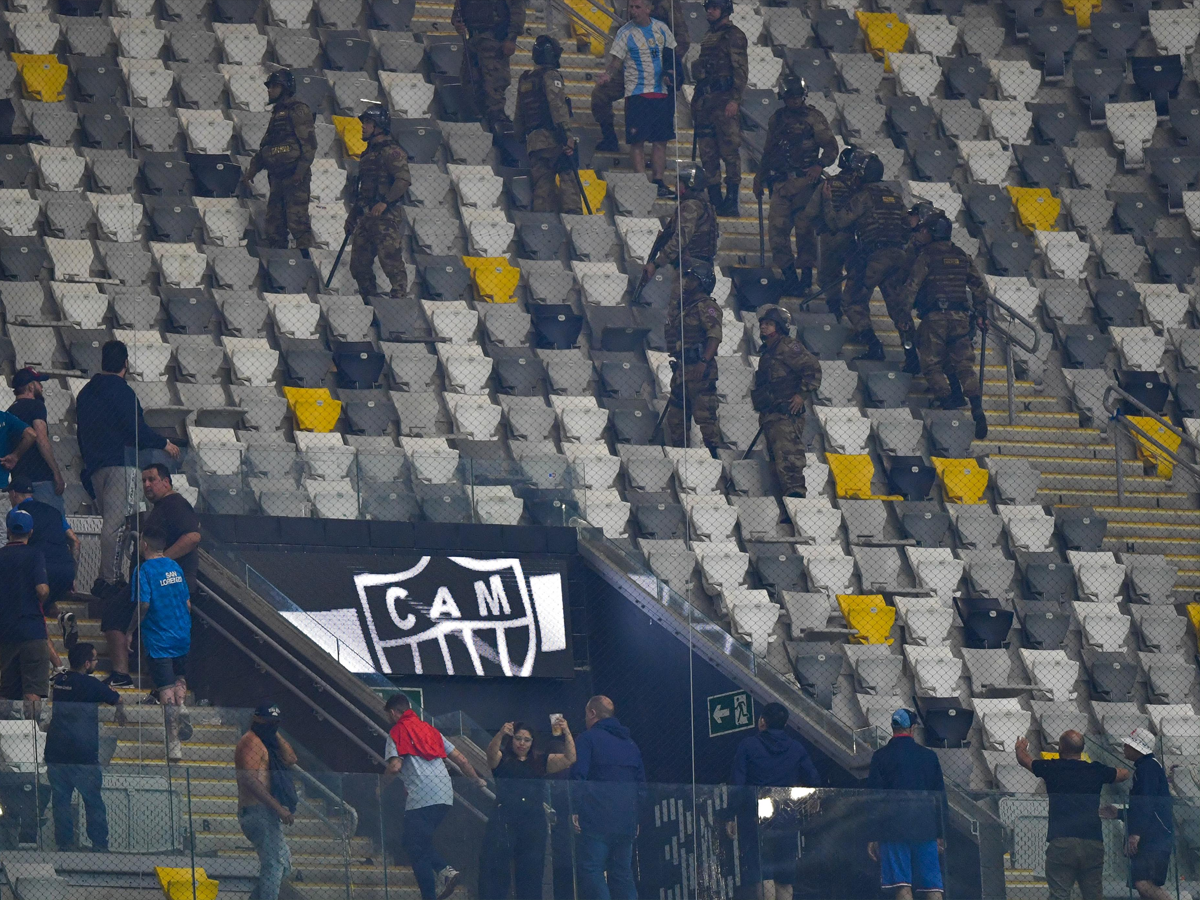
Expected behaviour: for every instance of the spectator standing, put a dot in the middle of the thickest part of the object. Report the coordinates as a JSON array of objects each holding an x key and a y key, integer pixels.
[
  {"x": 643, "y": 48},
  {"x": 53, "y": 535},
  {"x": 73, "y": 747},
  {"x": 165, "y": 609},
  {"x": 38, "y": 467},
  {"x": 769, "y": 758},
  {"x": 1075, "y": 841},
  {"x": 174, "y": 515},
  {"x": 609, "y": 764},
  {"x": 266, "y": 797},
  {"x": 514, "y": 845},
  {"x": 24, "y": 643},
  {"x": 909, "y": 829},
  {"x": 416, "y": 751},
  {"x": 112, "y": 431},
  {"x": 1150, "y": 823}
]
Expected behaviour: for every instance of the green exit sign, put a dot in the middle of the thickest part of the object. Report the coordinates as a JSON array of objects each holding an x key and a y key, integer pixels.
[{"x": 730, "y": 712}]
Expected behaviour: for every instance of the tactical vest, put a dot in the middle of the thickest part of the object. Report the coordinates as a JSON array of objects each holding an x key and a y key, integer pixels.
[
  {"x": 775, "y": 382},
  {"x": 800, "y": 150},
  {"x": 686, "y": 336},
  {"x": 840, "y": 191},
  {"x": 483, "y": 13},
  {"x": 703, "y": 243},
  {"x": 280, "y": 146},
  {"x": 532, "y": 102},
  {"x": 886, "y": 224},
  {"x": 374, "y": 181},
  {"x": 945, "y": 284},
  {"x": 713, "y": 70}
]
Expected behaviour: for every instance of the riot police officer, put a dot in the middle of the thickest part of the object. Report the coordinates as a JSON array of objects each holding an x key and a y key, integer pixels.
[
  {"x": 491, "y": 29},
  {"x": 383, "y": 180},
  {"x": 836, "y": 246},
  {"x": 921, "y": 217},
  {"x": 286, "y": 152},
  {"x": 799, "y": 147},
  {"x": 720, "y": 73},
  {"x": 694, "y": 333},
  {"x": 544, "y": 122},
  {"x": 948, "y": 293},
  {"x": 786, "y": 372},
  {"x": 692, "y": 232}
]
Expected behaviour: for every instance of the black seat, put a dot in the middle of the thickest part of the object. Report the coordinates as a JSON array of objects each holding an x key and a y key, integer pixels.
[
  {"x": 1116, "y": 303},
  {"x": 1053, "y": 38},
  {"x": 518, "y": 185},
  {"x": 85, "y": 347},
  {"x": 1113, "y": 677},
  {"x": 922, "y": 521},
  {"x": 813, "y": 65},
  {"x": 369, "y": 412},
  {"x": 1012, "y": 253},
  {"x": 1140, "y": 9},
  {"x": 989, "y": 206},
  {"x": 950, "y": 432},
  {"x": 401, "y": 319},
  {"x": 1135, "y": 213},
  {"x": 836, "y": 30},
  {"x": 1042, "y": 166},
  {"x": 224, "y": 495},
  {"x": 888, "y": 389},
  {"x": 660, "y": 521},
  {"x": 236, "y": 12},
  {"x": 966, "y": 78},
  {"x": 934, "y": 159},
  {"x": 98, "y": 79},
  {"x": 947, "y": 723},
  {"x": 1080, "y": 527},
  {"x": 1055, "y": 124},
  {"x": 451, "y": 506},
  {"x": 557, "y": 326},
  {"x": 605, "y": 319},
  {"x": 945, "y": 7},
  {"x": 1175, "y": 170},
  {"x": 287, "y": 271},
  {"x": 540, "y": 235},
  {"x": 308, "y": 362},
  {"x": 817, "y": 668},
  {"x": 16, "y": 166},
  {"x": 825, "y": 339},
  {"x": 519, "y": 372},
  {"x": 657, "y": 292},
  {"x": 444, "y": 277},
  {"x": 79, "y": 7},
  {"x": 1158, "y": 77},
  {"x": 1098, "y": 81},
  {"x": 173, "y": 220},
  {"x": 189, "y": 313},
  {"x": 391, "y": 15},
  {"x": 1022, "y": 13},
  {"x": 215, "y": 174},
  {"x": 910, "y": 118},
  {"x": 986, "y": 623},
  {"x": 23, "y": 258},
  {"x": 1116, "y": 34},
  {"x": 1049, "y": 578},
  {"x": 626, "y": 376},
  {"x": 389, "y": 502},
  {"x": 633, "y": 423},
  {"x": 456, "y": 102},
  {"x": 1148, "y": 388},
  {"x": 1044, "y": 623},
  {"x": 1187, "y": 395},
  {"x": 445, "y": 54},
  {"x": 359, "y": 368},
  {"x": 757, "y": 108},
  {"x": 1085, "y": 346},
  {"x": 345, "y": 50},
  {"x": 779, "y": 571},
  {"x": 166, "y": 173},
  {"x": 313, "y": 88},
  {"x": 420, "y": 141},
  {"x": 1185, "y": 119},
  {"x": 1172, "y": 259},
  {"x": 755, "y": 287},
  {"x": 105, "y": 125}
]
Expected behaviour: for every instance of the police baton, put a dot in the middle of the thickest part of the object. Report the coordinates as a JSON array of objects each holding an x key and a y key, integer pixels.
[
  {"x": 754, "y": 441},
  {"x": 658, "y": 425},
  {"x": 579, "y": 184},
  {"x": 338, "y": 259},
  {"x": 828, "y": 287},
  {"x": 762, "y": 241},
  {"x": 982, "y": 353}
]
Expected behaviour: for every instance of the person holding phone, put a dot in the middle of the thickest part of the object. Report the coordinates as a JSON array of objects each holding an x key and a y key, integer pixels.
[{"x": 514, "y": 847}]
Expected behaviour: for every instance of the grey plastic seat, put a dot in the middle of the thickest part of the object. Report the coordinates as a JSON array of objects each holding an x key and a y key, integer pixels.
[
  {"x": 1047, "y": 577},
  {"x": 1089, "y": 209},
  {"x": 88, "y": 36},
  {"x": 866, "y": 520},
  {"x": 1097, "y": 82},
  {"x": 1151, "y": 577},
  {"x": 1080, "y": 528},
  {"x": 420, "y": 414},
  {"x": 1014, "y": 480},
  {"x": 1160, "y": 628},
  {"x": 878, "y": 568},
  {"x": 295, "y": 50},
  {"x": 813, "y": 65},
  {"x": 1055, "y": 124},
  {"x": 519, "y": 372},
  {"x": 1085, "y": 346},
  {"x": 929, "y": 527},
  {"x": 750, "y": 477},
  {"x": 989, "y": 206},
  {"x": 1113, "y": 676},
  {"x": 1042, "y": 166},
  {"x": 990, "y": 576},
  {"x": 888, "y": 389},
  {"x": 52, "y": 122},
  {"x": 966, "y": 77},
  {"x": 398, "y": 52},
  {"x": 1065, "y": 303},
  {"x": 960, "y": 120},
  {"x": 862, "y": 116},
  {"x": 1012, "y": 253},
  {"x": 192, "y": 43},
  {"x": 1173, "y": 259},
  {"x": 1044, "y": 623},
  {"x": 1092, "y": 167},
  {"x": 950, "y": 432},
  {"x": 817, "y": 668},
  {"x": 68, "y": 216},
  {"x": 1170, "y": 676},
  {"x": 933, "y": 159},
  {"x": 200, "y": 89},
  {"x": 861, "y": 73},
  {"x": 389, "y": 502},
  {"x": 910, "y": 118}
]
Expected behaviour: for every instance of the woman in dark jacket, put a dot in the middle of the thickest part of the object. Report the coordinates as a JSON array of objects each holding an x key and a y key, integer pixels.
[{"x": 514, "y": 845}]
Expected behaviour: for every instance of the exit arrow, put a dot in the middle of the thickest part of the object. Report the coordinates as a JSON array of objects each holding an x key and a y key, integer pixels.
[{"x": 720, "y": 714}]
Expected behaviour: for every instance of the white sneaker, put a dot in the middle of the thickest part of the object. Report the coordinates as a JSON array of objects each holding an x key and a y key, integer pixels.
[
  {"x": 446, "y": 881},
  {"x": 174, "y": 751}
]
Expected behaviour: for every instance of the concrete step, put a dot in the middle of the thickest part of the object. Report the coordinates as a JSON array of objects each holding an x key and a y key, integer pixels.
[
  {"x": 337, "y": 891},
  {"x": 1044, "y": 449},
  {"x": 299, "y": 844},
  {"x": 202, "y": 734},
  {"x": 1156, "y": 498}
]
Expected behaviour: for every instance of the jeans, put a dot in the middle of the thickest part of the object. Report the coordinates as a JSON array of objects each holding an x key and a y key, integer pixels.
[
  {"x": 115, "y": 501},
  {"x": 598, "y": 854},
  {"x": 64, "y": 781},
  {"x": 264, "y": 830},
  {"x": 43, "y": 492},
  {"x": 417, "y": 841},
  {"x": 1071, "y": 859},
  {"x": 514, "y": 849}
]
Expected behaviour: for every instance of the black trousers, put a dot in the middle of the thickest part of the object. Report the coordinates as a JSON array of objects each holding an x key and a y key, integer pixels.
[{"x": 514, "y": 849}]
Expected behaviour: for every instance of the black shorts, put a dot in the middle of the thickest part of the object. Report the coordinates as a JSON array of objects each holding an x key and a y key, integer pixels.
[
  {"x": 117, "y": 613},
  {"x": 1150, "y": 865},
  {"x": 649, "y": 119},
  {"x": 167, "y": 671},
  {"x": 25, "y": 669}
]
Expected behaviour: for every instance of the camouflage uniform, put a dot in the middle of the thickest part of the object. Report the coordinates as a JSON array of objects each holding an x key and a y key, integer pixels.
[
  {"x": 694, "y": 226},
  {"x": 286, "y": 152},
  {"x": 721, "y": 73},
  {"x": 694, "y": 376},
  {"x": 605, "y": 95},
  {"x": 797, "y": 140},
  {"x": 382, "y": 178},
  {"x": 937, "y": 288},
  {"x": 879, "y": 222},
  {"x": 543, "y": 119},
  {"x": 837, "y": 247},
  {"x": 784, "y": 370},
  {"x": 489, "y": 24}
]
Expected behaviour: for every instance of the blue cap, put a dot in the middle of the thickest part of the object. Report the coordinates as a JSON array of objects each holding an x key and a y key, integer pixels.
[
  {"x": 901, "y": 720},
  {"x": 268, "y": 711},
  {"x": 19, "y": 522}
]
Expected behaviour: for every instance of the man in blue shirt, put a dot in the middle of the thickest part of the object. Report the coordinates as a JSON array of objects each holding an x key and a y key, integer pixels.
[
  {"x": 24, "y": 644},
  {"x": 609, "y": 764},
  {"x": 73, "y": 747},
  {"x": 161, "y": 593},
  {"x": 1150, "y": 823},
  {"x": 15, "y": 438}
]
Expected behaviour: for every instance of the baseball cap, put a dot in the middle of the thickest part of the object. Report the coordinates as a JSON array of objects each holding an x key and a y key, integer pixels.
[
  {"x": 268, "y": 711},
  {"x": 21, "y": 485},
  {"x": 19, "y": 522},
  {"x": 1141, "y": 740},
  {"x": 901, "y": 720},
  {"x": 26, "y": 376}
]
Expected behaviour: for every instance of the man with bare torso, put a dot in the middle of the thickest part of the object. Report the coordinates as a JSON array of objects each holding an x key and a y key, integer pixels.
[{"x": 266, "y": 798}]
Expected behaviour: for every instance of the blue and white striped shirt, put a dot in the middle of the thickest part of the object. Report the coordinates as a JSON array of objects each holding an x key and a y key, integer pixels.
[{"x": 641, "y": 48}]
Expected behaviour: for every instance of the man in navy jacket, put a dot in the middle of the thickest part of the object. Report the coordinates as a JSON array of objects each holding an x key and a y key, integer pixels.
[
  {"x": 769, "y": 758},
  {"x": 609, "y": 764},
  {"x": 1149, "y": 824}
]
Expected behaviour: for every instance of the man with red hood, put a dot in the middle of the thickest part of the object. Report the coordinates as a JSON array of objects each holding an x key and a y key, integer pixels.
[{"x": 416, "y": 751}]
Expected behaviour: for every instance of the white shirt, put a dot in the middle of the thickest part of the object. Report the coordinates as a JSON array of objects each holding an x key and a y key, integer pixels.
[
  {"x": 641, "y": 48},
  {"x": 426, "y": 780}
]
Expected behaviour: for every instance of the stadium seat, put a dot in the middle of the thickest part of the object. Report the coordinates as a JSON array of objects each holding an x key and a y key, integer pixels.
[
  {"x": 963, "y": 481},
  {"x": 869, "y": 616}
]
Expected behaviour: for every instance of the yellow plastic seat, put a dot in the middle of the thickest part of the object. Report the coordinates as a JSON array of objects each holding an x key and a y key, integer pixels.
[
  {"x": 1193, "y": 611},
  {"x": 42, "y": 75},
  {"x": 1037, "y": 209},
  {"x": 177, "y": 884},
  {"x": 963, "y": 481},
  {"x": 349, "y": 129},
  {"x": 313, "y": 408},
  {"x": 852, "y": 476},
  {"x": 495, "y": 279},
  {"x": 869, "y": 615},
  {"x": 1082, "y": 10},
  {"x": 602, "y": 21},
  {"x": 594, "y": 187},
  {"x": 1148, "y": 452},
  {"x": 884, "y": 32}
]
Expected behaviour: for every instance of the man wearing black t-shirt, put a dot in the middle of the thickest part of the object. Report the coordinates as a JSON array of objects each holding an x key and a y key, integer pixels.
[
  {"x": 24, "y": 644},
  {"x": 37, "y": 465},
  {"x": 1075, "y": 840},
  {"x": 73, "y": 747}
]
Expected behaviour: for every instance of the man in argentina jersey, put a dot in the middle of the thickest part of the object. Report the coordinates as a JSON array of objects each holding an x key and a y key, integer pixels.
[{"x": 644, "y": 48}]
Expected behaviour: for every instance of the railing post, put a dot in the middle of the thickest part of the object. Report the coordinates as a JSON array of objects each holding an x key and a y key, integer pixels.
[
  {"x": 1008, "y": 374},
  {"x": 1118, "y": 434}
]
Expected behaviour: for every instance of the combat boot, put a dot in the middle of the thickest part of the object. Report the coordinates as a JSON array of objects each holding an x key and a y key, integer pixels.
[
  {"x": 608, "y": 139},
  {"x": 805, "y": 281},
  {"x": 714, "y": 195},
  {"x": 792, "y": 285},
  {"x": 953, "y": 400},
  {"x": 912, "y": 362},
  {"x": 874, "y": 345},
  {"x": 729, "y": 206},
  {"x": 981, "y": 428}
]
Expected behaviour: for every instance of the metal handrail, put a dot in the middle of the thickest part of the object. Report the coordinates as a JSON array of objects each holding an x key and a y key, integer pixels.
[
  {"x": 590, "y": 27},
  {"x": 1136, "y": 431},
  {"x": 314, "y": 782},
  {"x": 1009, "y": 340}
]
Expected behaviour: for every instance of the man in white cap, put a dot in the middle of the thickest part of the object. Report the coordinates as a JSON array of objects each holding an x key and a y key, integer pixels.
[{"x": 1149, "y": 825}]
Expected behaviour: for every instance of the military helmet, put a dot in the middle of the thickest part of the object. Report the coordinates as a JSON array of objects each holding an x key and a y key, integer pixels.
[
  {"x": 941, "y": 227},
  {"x": 846, "y": 157},
  {"x": 285, "y": 79},
  {"x": 379, "y": 117},
  {"x": 792, "y": 86},
  {"x": 726, "y": 6},
  {"x": 777, "y": 316},
  {"x": 868, "y": 167},
  {"x": 923, "y": 211},
  {"x": 692, "y": 178},
  {"x": 547, "y": 51},
  {"x": 702, "y": 273}
]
